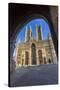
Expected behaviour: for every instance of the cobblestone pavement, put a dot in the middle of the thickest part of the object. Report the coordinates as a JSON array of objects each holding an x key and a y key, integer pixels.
[{"x": 35, "y": 75}]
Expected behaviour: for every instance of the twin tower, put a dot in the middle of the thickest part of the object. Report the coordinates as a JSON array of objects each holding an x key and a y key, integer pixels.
[{"x": 29, "y": 34}]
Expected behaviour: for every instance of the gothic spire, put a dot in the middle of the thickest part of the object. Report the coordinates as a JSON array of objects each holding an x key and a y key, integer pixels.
[{"x": 26, "y": 34}]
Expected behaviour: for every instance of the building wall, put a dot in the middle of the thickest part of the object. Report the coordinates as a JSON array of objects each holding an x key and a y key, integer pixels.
[{"x": 26, "y": 47}]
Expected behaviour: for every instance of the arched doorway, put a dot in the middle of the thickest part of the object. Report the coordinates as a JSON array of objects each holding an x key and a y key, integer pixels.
[
  {"x": 33, "y": 53},
  {"x": 44, "y": 60},
  {"x": 40, "y": 56},
  {"x": 26, "y": 57},
  {"x": 21, "y": 19},
  {"x": 49, "y": 60}
]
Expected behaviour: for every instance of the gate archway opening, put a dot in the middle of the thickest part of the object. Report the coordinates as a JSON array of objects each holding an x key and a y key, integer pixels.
[{"x": 40, "y": 21}]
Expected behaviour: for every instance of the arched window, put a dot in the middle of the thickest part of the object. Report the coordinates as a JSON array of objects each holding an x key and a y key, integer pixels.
[
  {"x": 33, "y": 53},
  {"x": 40, "y": 56}
]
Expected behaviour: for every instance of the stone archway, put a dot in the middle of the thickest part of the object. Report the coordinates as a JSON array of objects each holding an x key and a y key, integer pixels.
[
  {"x": 17, "y": 18},
  {"x": 20, "y": 14}
]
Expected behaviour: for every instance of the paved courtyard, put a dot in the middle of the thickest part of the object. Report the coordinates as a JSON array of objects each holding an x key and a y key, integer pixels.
[{"x": 35, "y": 75}]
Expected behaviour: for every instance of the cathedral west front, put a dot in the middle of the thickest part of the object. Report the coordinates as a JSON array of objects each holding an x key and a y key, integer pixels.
[{"x": 35, "y": 51}]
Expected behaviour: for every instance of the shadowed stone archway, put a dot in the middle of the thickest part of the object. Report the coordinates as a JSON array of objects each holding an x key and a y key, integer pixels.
[{"x": 20, "y": 14}]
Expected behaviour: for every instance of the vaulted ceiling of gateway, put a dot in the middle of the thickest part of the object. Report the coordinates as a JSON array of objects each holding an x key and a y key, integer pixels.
[{"x": 19, "y": 14}]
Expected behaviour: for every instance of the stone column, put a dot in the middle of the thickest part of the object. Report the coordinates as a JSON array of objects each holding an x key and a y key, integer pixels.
[
  {"x": 12, "y": 47},
  {"x": 24, "y": 58},
  {"x": 21, "y": 58},
  {"x": 46, "y": 56},
  {"x": 26, "y": 34},
  {"x": 43, "y": 54}
]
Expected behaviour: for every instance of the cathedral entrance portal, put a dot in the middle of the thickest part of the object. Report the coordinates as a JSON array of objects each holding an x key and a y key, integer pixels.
[
  {"x": 44, "y": 60},
  {"x": 33, "y": 54},
  {"x": 40, "y": 56},
  {"x": 26, "y": 57}
]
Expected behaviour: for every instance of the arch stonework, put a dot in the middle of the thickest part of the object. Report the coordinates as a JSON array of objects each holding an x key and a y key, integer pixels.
[
  {"x": 39, "y": 11},
  {"x": 20, "y": 15}
]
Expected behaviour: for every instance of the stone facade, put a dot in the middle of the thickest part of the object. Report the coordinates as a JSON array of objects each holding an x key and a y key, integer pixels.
[{"x": 35, "y": 51}]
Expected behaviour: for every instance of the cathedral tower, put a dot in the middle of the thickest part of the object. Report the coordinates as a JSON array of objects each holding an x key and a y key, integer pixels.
[
  {"x": 28, "y": 34},
  {"x": 38, "y": 33}
]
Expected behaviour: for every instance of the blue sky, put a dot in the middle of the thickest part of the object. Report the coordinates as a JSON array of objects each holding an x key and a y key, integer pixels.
[{"x": 32, "y": 23}]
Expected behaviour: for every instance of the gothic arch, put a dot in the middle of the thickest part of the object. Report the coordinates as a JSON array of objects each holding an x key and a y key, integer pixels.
[
  {"x": 31, "y": 17},
  {"x": 20, "y": 14},
  {"x": 18, "y": 19}
]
